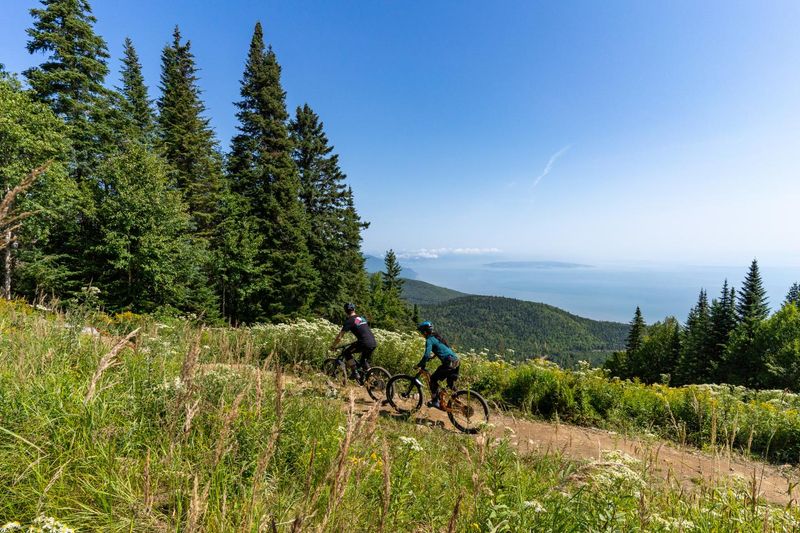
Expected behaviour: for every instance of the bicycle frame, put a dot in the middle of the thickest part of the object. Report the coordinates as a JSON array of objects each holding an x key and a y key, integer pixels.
[{"x": 444, "y": 394}]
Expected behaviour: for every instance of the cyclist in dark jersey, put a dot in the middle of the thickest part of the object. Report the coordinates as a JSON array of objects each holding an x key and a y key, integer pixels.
[
  {"x": 365, "y": 341},
  {"x": 435, "y": 345}
]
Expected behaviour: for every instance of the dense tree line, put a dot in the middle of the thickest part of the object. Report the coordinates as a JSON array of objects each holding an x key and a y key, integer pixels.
[
  {"x": 141, "y": 210},
  {"x": 732, "y": 339}
]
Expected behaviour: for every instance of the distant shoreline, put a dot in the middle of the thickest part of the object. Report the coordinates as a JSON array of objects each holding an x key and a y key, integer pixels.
[{"x": 535, "y": 264}]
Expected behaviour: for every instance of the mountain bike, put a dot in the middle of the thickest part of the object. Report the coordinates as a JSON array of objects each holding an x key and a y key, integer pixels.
[
  {"x": 466, "y": 408},
  {"x": 374, "y": 379}
]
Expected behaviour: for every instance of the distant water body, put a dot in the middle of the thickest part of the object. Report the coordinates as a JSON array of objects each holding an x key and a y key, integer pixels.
[{"x": 609, "y": 292}]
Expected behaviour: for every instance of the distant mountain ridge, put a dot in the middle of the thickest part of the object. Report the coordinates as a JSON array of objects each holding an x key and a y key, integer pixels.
[
  {"x": 531, "y": 329},
  {"x": 422, "y": 293}
]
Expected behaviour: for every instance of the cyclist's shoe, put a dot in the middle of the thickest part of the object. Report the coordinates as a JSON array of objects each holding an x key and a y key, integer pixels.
[{"x": 434, "y": 404}]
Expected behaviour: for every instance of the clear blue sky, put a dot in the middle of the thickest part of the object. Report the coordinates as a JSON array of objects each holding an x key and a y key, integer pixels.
[{"x": 591, "y": 131}]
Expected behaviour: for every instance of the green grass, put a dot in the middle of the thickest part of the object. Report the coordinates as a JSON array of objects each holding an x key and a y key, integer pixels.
[{"x": 193, "y": 430}]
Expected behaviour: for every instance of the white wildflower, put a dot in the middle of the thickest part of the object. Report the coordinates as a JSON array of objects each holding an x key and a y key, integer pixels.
[
  {"x": 535, "y": 506},
  {"x": 412, "y": 444},
  {"x": 11, "y": 526}
]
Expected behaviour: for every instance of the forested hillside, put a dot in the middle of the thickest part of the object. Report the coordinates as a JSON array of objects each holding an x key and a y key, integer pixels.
[
  {"x": 530, "y": 329},
  {"x": 423, "y": 293}
]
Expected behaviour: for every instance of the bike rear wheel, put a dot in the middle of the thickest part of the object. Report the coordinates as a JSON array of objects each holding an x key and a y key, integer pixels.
[
  {"x": 404, "y": 393},
  {"x": 468, "y": 411},
  {"x": 375, "y": 381},
  {"x": 335, "y": 369}
]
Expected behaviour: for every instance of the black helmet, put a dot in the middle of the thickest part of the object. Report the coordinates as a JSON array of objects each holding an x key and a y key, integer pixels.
[{"x": 349, "y": 307}]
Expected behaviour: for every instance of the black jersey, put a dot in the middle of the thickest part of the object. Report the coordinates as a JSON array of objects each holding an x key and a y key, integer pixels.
[{"x": 357, "y": 325}]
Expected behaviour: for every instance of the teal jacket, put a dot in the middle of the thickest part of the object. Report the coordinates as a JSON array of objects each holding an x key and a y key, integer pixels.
[{"x": 434, "y": 346}]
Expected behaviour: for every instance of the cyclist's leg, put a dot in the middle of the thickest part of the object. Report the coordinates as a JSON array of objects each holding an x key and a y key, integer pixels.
[
  {"x": 452, "y": 376},
  {"x": 349, "y": 360},
  {"x": 439, "y": 375},
  {"x": 366, "y": 358}
]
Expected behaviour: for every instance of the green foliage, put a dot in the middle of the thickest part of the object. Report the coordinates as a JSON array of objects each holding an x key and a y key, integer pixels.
[
  {"x": 793, "y": 296},
  {"x": 694, "y": 365},
  {"x": 30, "y": 136},
  {"x": 751, "y": 305},
  {"x": 132, "y": 458},
  {"x": 780, "y": 338},
  {"x": 263, "y": 172},
  {"x": 657, "y": 358},
  {"x": 187, "y": 140},
  {"x": 136, "y": 106},
  {"x": 334, "y": 240},
  {"x": 636, "y": 333},
  {"x": 146, "y": 257},
  {"x": 71, "y": 79}
]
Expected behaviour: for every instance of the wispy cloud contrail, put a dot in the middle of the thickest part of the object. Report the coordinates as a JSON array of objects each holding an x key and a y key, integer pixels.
[{"x": 550, "y": 163}]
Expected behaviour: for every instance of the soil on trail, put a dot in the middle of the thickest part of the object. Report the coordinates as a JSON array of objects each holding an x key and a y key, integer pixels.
[{"x": 679, "y": 466}]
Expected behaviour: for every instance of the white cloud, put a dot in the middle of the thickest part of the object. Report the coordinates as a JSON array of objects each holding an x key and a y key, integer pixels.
[
  {"x": 435, "y": 253},
  {"x": 549, "y": 166}
]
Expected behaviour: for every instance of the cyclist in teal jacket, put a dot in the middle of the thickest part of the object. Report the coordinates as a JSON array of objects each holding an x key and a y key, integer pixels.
[{"x": 435, "y": 345}]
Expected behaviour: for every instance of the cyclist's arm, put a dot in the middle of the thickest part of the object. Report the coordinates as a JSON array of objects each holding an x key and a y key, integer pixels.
[
  {"x": 337, "y": 339},
  {"x": 428, "y": 355}
]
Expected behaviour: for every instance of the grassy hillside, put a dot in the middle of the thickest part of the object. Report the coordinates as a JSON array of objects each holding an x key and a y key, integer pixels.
[
  {"x": 530, "y": 329},
  {"x": 422, "y": 293},
  {"x": 190, "y": 429}
]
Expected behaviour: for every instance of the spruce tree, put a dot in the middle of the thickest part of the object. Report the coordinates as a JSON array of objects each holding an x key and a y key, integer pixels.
[
  {"x": 793, "y": 296},
  {"x": 335, "y": 237},
  {"x": 392, "y": 282},
  {"x": 744, "y": 358},
  {"x": 723, "y": 321},
  {"x": 263, "y": 172},
  {"x": 752, "y": 304},
  {"x": 137, "y": 109},
  {"x": 694, "y": 365},
  {"x": 71, "y": 80},
  {"x": 636, "y": 333},
  {"x": 187, "y": 139}
]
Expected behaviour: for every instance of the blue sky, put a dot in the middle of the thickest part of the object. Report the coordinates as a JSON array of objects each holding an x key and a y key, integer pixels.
[{"x": 584, "y": 131}]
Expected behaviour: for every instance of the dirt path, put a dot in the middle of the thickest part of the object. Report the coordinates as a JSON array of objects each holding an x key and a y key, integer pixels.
[{"x": 678, "y": 466}]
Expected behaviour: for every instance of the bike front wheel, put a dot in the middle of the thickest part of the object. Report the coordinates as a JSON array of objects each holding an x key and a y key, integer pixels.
[
  {"x": 375, "y": 381},
  {"x": 468, "y": 411},
  {"x": 335, "y": 369},
  {"x": 404, "y": 393}
]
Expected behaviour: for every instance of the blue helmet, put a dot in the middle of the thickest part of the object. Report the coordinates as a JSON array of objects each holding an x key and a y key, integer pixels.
[
  {"x": 349, "y": 307},
  {"x": 425, "y": 327}
]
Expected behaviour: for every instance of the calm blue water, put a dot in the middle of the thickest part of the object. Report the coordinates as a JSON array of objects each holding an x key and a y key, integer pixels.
[{"x": 601, "y": 292}]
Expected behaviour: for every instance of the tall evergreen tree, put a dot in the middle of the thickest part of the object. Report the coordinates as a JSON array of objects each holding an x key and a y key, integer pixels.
[
  {"x": 793, "y": 296},
  {"x": 723, "y": 321},
  {"x": 694, "y": 365},
  {"x": 745, "y": 358},
  {"x": 752, "y": 303},
  {"x": 335, "y": 237},
  {"x": 71, "y": 79},
  {"x": 392, "y": 282},
  {"x": 187, "y": 139},
  {"x": 137, "y": 108},
  {"x": 636, "y": 333},
  {"x": 262, "y": 171}
]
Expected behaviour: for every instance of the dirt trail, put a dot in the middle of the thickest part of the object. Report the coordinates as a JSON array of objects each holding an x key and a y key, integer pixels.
[{"x": 684, "y": 466}]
